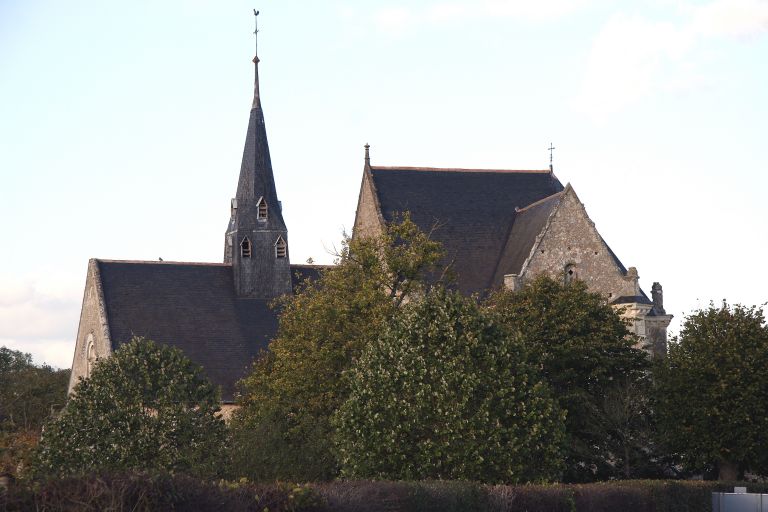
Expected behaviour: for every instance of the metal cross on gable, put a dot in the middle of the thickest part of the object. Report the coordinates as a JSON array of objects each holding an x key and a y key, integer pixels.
[{"x": 551, "y": 149}]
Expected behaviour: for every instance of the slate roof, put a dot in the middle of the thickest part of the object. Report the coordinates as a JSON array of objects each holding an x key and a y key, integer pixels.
[
  {"x": 470, "y": 211},
  {"x": 527, "y": 225},
  {"x": 191, "y": 306},
  {"x": 299, "y": 273}
]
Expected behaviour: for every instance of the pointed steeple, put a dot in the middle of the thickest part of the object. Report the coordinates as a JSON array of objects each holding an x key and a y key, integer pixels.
[
  {"x": 256, "y": 242},
  {"x": 256, "y": 98}
]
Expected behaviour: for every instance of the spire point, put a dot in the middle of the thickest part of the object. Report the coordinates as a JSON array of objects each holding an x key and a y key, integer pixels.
[
  {"x": 367, "y": 154},
  {"x": 256, "y": 98}
]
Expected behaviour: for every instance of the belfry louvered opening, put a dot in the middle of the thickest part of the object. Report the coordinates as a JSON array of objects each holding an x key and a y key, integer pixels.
[
  {"x": 281, "y": 248},
  {"x": 262, "y": 209},
  {"x": 245, "y": 248}
]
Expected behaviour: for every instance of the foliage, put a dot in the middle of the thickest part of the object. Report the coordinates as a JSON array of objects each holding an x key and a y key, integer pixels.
[
  {"x": 159, "y": 491},
  {"x": 144, "y": 493},
  {"x": 586, "y": 353},
  {"x": 712, "y": 391},
  {"x": 145, "y": 407},
  {"x": 283, "y": 429},
  {"x": 445, "y": 393},
  {"x": 28, "y": 394}
]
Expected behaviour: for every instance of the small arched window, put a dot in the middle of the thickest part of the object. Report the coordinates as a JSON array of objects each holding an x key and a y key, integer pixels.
[
  {"x": 261, "y": 206},
  {"x": 570, "y": 273},
  {"x": 245, "y": 248},
  {"x": 281, "y": 248},
  {"x": 90, "y": 355}
]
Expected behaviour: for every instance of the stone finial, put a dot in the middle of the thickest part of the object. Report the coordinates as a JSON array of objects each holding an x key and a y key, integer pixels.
[
  {"x": 657, "y": 295},
  {"x": 633, "y": 277},
  {"x": 367, "y": 154}
]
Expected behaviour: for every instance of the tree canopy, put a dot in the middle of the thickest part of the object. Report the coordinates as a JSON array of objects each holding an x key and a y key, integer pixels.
[
  {"x": 28, "y": 395},
  {"x": 712, "y": 391},
  {"x": 145, "y": 407},
  {"x": 283, "y": 429},
  {"x": 584, "y": 350},
  {"x": 444, "y": 392},
  {"x": 27, "y": 391}
]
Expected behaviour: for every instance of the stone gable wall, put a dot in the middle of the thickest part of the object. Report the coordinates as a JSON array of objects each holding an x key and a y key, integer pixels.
[
  {"x": 367, "y": 217},
  {"x": 93, "y": 323},
  {"x": 570, "y": 238}
]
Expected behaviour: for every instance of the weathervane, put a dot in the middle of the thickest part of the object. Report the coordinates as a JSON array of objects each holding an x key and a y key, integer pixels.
[
  {"x": 256, "y": 29},
  {"x": 551, "y": 148}
]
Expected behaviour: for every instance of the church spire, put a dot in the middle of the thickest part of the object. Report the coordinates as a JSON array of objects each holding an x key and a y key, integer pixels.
[
  {"x": 256, "y": 242},
  {"x": 256, "y": 98}
]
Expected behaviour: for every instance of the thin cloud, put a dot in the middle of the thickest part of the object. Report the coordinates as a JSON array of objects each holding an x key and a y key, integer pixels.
[
  {"x": 633, "y": 57},
  {"x": 400, "y": 18},
  {"x": 731, "y": 18},
  {"x": 39, "y": 322}
]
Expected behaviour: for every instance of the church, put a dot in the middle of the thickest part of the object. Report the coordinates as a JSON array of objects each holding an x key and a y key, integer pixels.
[{"x": 498, "y": 228}]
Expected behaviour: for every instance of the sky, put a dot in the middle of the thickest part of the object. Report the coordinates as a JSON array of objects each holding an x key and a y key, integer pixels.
[{"x": 122, "y": 128}]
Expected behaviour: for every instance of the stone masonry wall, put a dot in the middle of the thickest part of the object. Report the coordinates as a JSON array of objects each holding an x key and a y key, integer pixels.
[
  {"x": 93, "y": 326},
  {"x": 367, "y": 218},
  {"x": 570, "y": 238}
]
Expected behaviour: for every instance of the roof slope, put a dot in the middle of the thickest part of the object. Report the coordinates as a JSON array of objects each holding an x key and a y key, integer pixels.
[
  {"x": 529, "y": 222},
  {"x": 191, "y": 306},
  {"x": 470, "y": 211}
]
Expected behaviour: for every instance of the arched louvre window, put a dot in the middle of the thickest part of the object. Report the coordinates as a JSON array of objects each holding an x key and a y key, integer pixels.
[
  {"x": 261, "y": 209},
  {"x": 281, "y": 248},
  {"x": 245, "y": 248}
]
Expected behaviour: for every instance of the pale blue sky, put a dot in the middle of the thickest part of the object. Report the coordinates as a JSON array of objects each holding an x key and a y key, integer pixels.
[{"x": 122, "y": 126}]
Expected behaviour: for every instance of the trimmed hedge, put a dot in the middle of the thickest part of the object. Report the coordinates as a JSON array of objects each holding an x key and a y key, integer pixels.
[
  {"x": 145, "y": 493},
  {"x": 139, "y": 492}
]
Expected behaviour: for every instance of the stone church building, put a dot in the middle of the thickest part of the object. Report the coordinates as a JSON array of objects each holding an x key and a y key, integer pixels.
[{"x": 498, "y": 227}]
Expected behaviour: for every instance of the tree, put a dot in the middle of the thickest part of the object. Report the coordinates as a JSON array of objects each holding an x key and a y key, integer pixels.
[
  {"x": 444, "y": 392},
  {"x": 584, "y": 350},
  {"x": 712, "y": 391},
  {"x": 146, "y": 407},
  {"x": 28, "y": 394},
  {"x": 283, "y": 429}
]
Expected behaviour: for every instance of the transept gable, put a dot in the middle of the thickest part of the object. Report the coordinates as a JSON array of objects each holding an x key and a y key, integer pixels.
[{"x": 570, "y": 247}]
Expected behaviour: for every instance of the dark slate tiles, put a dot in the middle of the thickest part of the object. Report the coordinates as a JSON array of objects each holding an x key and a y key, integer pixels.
[
  {"x": 190, "y": 306},
  {"x": 469, "y": 211}
]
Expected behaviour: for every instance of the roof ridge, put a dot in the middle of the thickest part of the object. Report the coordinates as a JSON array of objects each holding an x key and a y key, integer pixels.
[
  {"x": 536, "y": 203},
  {"x": 456, "y": 169},
  {"x": 154, "y": 262}
]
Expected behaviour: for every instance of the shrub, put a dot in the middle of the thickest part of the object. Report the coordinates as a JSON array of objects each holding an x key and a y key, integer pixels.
[
  {"x": 145, "y": 492},
  {"x": 147, "y": 407},
  {"x": 444, "y": 392}
]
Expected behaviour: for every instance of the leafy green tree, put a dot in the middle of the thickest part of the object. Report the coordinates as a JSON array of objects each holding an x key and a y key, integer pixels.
[
  {"x": 584, "y": 350},
  {"x": 712, "y": 391},
  {"x": 146, "y": 407},
  {"x": 625, "y": 417},
  {"x": 444, "y": 392},
  {"x": 283, "y": 429},
  {"x": 28, "y": 394}
]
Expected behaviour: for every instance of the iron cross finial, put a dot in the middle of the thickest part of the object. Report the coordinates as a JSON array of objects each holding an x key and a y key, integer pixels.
[
  {"x": 551, "y": 149},
  {"x": 256, "y": 29}
]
